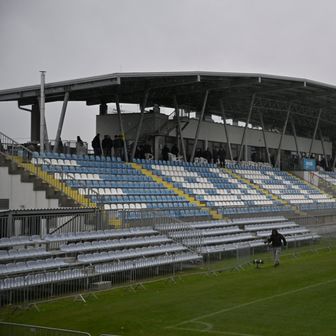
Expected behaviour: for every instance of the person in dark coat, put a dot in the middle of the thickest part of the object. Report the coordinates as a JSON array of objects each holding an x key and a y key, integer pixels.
[
  {"x": 207, "y": 155},
  {"x": 222, "y": 156},
  {"x": 276, "y": 240},
  {"x": 215, "y": 155},
  {"x": 107, "y": 145},
  {"x": 96, "y": 145},
  {"x": 174, "y": 150},
  {"x": 165, "y": 151}
]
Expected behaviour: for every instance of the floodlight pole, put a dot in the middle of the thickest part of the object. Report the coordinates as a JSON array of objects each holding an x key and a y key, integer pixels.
[
  {"x": 315, "y": 130},
  {"x": 42, "y": 111},
  {"x": 61, "y": 121},
  {"x": 245, "y": 128},
  {"x": 277, "y": 162},
  {"x": 135, "y": 144},
  {"x": 225, "y": 128},
  {"x": 264, "y": 136},
  {"x": 180, "y": 128},
  {"x": 121, "y": 128},
  {"x": 198, "y": 125}
]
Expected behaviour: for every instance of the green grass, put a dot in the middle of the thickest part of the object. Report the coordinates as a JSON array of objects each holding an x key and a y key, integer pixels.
[{"x": 297, "y": 298}]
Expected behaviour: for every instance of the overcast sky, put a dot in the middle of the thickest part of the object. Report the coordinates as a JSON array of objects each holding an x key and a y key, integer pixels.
[{"x": 78, "y": 38}]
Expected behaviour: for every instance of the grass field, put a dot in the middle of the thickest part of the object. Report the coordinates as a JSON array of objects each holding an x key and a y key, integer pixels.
[{"x": 296, "y": 298}]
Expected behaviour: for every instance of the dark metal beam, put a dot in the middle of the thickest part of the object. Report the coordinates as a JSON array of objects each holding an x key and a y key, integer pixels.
[
  {"x": 143, "y": 106},
  {"x": 198, "y": 125},
  {"x": 177, "y": 112},
  {"x": 123, "y": 135},
  {"x": 61, "y": 121},
  {"x": 277, "y": 162},
  {"x": 225, "y": 129},
  {"x": 315, "y": 130},
  {"x": 245, "y": 128}
]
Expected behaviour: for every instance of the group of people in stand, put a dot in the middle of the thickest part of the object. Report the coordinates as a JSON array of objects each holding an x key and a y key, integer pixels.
[
  {"x": 218, "y": 156},
  {"x": 107, "y": 146}
]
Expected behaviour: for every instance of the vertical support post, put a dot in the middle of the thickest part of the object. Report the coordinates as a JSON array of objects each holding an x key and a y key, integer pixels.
[
  {"x": 121, "y": 128},
  {"x": 277, "y": 162},
  {"x": 323, "y": 148},
  {"x": 180, "y": 129},
  {"x": 35, "y": 123},
  {"x": 245, "y": 128},
  {"x": 225, "y": 129},
  {"x": 61, "y": 120},
  {"x": 264, "y": 136},
  {"x": 315, "y": 130},
  {"x": 295, "y": 137},
  {"x": 198, "y": 126},
  {"x": 42, "y": 111},
  {"x": 143, "y": 106}
]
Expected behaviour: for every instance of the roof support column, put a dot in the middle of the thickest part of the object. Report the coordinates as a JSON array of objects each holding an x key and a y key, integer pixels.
[
  {"x": 225, "y": 128},
  {"x": 45, "y": 135},
  {"x": 42, "y": 112},
  {"x": 177, "y": 112},
  {"x": 315, "y": 130},
  {"x": 264, "y": 136},
  {"x": 295, "y": 137},
  {"x": 198, "y": 126},
  {"x": 135, "y": 144},
  {"x": 61, "y": 121},
  {"x": 121, "y": 128},
  {"x": 277, "y": 162},
  {"x": 323, "y": 149},
  {"x": 35, "y": 123},
  {"x": 245, "y": 128}
]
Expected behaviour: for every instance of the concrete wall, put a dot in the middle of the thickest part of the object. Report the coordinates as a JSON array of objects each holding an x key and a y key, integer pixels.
[
  {"x": 215, "y": 132},
  {"x": 21, "y": 195},
  {"x": 209, "y": 131}
]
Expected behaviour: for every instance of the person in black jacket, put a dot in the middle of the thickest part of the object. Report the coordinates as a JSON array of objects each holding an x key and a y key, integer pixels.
[
  {"x": 96, "y": 145},
  {"x": 276, "y": 239}
]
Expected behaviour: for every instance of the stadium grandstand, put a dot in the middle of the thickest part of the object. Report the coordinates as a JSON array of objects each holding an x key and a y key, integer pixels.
[{"x": 73, "y": 221}]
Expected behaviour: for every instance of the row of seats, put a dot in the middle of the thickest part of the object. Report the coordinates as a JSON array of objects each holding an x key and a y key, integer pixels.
[
  {"x": 285, "y": 186},
  {"x": 130, "y": 253}
]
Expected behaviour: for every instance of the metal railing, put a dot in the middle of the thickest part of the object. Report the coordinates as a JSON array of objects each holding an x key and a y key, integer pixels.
[{"x": 24, "y": 157}]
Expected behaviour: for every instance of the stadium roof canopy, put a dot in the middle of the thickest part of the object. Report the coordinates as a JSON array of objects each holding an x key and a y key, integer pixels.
[{"x": 308, "y": 101}]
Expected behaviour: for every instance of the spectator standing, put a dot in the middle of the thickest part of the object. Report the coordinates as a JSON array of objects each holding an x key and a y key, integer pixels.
[
  {"x": 215, "y": 155},
  {"x": 118, "y": 144},
  {"x": 107, "y": 145},
  {"x": 174, "y": 150},
  {"x": 96, "y": 145},
  {"x": 222, "y": 157},
  {"x": 165, "y": 151},
  {"x": 80, "y": 148},
  {"x": 207, "y": 155}
]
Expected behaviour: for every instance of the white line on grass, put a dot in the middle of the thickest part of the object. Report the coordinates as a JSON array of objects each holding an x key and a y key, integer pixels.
[
  {"x": 253, "y": 302},
  {"x": 215, "y": 332}
]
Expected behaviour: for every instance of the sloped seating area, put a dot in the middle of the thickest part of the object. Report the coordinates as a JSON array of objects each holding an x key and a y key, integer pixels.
[
  {"x": 214, "y": 186},
  {"x": 116, "y": 185},
  {"x": 71, "y": 260},
  {"x": 328, "y": 176},
  {"x": 285, "y": 186},
  {"x": 229, "y": 235},
  {"x": 72, "y": 255}
]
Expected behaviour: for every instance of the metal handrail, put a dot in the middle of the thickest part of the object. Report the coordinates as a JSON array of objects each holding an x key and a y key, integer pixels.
[{"x": 25, "y": 158}]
